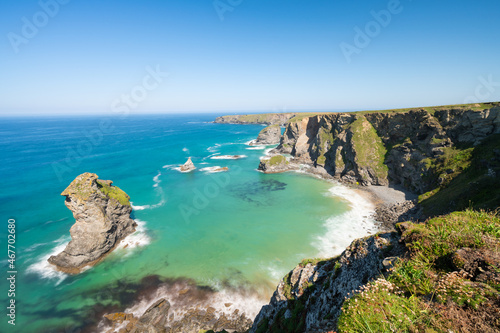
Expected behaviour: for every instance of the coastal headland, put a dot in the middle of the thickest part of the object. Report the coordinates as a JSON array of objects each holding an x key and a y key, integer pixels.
[{"x": 433, "y": 173}]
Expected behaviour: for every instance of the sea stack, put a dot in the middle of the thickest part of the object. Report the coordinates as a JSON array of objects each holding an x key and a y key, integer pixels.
[
  {"x": 270, "y": 135},
  {"x": 102, "y": 214},
  {"x": 188, "y": 166}
]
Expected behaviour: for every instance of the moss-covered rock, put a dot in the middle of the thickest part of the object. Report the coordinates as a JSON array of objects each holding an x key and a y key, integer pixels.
[
  {"x": 274, "y": 164},
  {"x": 102, "y": 213}
]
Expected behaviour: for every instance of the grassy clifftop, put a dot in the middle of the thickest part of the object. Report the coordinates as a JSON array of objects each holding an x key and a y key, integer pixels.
[{"x": 449, "y": 281}]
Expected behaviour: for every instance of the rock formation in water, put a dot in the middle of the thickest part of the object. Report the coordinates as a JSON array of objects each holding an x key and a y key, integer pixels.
[
  {"x": 270, "y": 135},
  {"x": 188, "y": 166},
  {"x": 102, "y": 214},
  {"x": 274, "y": 164},
  {"x": 195, "y": 319}
]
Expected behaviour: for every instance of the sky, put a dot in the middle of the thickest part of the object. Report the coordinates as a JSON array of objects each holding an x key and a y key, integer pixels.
[{"x": 175, "y": 56}]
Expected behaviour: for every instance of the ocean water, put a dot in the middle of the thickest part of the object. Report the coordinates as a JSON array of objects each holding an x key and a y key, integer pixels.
[{"x": 233, "y": 233}]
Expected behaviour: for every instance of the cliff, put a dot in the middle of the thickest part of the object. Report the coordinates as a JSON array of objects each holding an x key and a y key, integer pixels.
[
  {"x": 270, "y": 135},
  {"x": 425, "y": 150},
  {"x": 102, "y": 214},
  {"x": 440, "y": 276}
]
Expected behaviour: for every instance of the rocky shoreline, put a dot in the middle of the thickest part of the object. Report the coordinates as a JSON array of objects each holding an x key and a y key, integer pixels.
[{"x": 389, "y": 158}]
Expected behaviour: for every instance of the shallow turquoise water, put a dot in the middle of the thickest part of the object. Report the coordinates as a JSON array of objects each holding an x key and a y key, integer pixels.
[{"x": 240, "y": 229}]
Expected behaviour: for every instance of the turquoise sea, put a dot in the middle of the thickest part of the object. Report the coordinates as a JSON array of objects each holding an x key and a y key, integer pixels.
[{"x": 234, "y": 233}]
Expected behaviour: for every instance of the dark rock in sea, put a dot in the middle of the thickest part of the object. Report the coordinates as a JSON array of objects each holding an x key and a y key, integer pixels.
[
  {"x": 270, "y": 135},
  {"x": 157, "y": 319},
  {"x": 188, "y": 166},
  {"x": 102, "y": 214}
]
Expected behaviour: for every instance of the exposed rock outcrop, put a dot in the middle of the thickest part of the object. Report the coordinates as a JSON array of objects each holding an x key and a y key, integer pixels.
[
  {"x": 381, "y": 147},
  {"x": 188, "y": 166},
  {"x": 157, "y": 319},
  {"x": 270, "y": 135},
  {"x": 274, "y": 164},
  {"x": 102, "y": 214},
  {"x": 310, "y": 297}
]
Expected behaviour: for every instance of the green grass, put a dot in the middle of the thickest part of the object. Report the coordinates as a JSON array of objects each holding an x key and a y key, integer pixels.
[
  {"x": 419, "y": 290},
  {"x": 469, "y": 185},
  {"x": 370, "y": 151},
  {"x": 264, "y": 117},
  {"x": 443, "y": 235},
  {"x": 268, "y": 128},
  {"x": 379, "y": 307},
  {"x": 114, "y": 192},
  {"x": 277, "y": 159}
]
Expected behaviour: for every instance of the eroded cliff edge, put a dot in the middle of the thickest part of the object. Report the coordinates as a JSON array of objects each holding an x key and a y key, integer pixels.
[
  {"x": 423, "y": 150},
  {"x": 102, "y": 214}
]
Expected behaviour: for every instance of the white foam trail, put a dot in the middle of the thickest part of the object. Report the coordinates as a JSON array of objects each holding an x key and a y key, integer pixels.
[
  {"x": 139, "y": 238},
  {"x": 256, "y": 148},
  {"x": 249, "y": 143},
  {"x": 160, "y": 204},
  {"x": 45, "y": 270},
  {"x": 343, "y": 229},
  {"x": 214, "y": 148},
  {"x": 212, "y": 169},
  {"x": 227, "y": 157},
  {"x": 267, "y": 151},
  {"x": 185, "y": 150},
  {"x": 156, "y": 179}
]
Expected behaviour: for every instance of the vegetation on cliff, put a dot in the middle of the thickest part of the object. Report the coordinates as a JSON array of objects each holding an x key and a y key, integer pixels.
[
  {"x": 469, "y": 178},
  {"x": 449, "y": 280},
  {"x": 370, "y": 150},
  {"x": 113, "y": 192}
]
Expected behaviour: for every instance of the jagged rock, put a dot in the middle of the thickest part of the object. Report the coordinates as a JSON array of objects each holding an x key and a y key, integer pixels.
[
  {"x": 102, "y": 214},
  {"x": 156, "y": 319},
  {"x": 188, "y": 166},
  {"x": 274, "y": 164},
  {"x": 270, "y": 135},
  {"x": 390, "y": 214},
  {"x": 314, "y": 293}
]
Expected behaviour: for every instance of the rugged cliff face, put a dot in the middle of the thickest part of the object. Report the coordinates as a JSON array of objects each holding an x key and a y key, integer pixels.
[
  {"x": 381, "y": 147},
  {"x": 310, "y": 297},
  {"x": 439, "y": 276},
  {"x": 270, "y": 135},
  {"x": 102, "y": 214}
]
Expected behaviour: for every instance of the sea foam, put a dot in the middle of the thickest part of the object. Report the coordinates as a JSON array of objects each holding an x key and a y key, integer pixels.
[
  {"x": 357, "y": 222},
  {"x": 45, "y": 270}
]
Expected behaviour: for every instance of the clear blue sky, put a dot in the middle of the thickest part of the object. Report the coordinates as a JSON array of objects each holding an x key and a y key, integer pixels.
[{"x": 264, "y": 55}]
